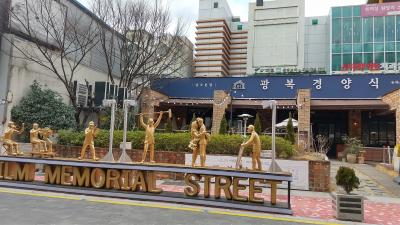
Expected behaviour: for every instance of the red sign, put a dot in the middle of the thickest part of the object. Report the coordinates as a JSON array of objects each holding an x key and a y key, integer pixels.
[
  {"x": 361, "y": 66},
  {"x": 383, "y": 9}
]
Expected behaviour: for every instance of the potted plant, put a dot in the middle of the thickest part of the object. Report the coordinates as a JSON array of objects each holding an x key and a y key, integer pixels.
[
  {"x": 353, "y": 147},
  {"x": 348, "y": 206}
]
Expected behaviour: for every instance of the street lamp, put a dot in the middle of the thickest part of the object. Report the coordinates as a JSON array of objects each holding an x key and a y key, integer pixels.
[
  {"x": 110, "y": 103},
  {"x": 245, "y": 117},
  {"x": 125, "y": 157},
  {"x": 272, "y": 104}
]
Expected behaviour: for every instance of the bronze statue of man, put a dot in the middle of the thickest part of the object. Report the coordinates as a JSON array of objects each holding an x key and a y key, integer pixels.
[
  {"x": 194, "y": 141},
  {"x": 203, "y": 136},
  {"x": 90, "y": 135},
  {"x": 149, "y": 141},
  {"x": 256, "y": 143},
  {"x": 12, "y": 146},
  {"x": 35, "y": 140}
]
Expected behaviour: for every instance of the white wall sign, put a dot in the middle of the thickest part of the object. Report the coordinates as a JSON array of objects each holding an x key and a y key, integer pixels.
[{"x": 299, "y": 169}]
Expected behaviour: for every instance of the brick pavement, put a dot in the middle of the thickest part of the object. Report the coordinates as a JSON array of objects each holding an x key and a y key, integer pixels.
[{"x": 304, "y": 204}]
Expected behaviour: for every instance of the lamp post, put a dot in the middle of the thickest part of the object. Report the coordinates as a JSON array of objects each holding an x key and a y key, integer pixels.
[
  {"x": 110, "y": 103},
  {"x": 125, "y": 157},
  {"x": 272, "y": 104},
  {"x": 245, "y": 117}
]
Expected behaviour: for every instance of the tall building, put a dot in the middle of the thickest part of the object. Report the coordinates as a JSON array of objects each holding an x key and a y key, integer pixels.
[
  {"x": 221, "y": 41},
  {"x": 365, "y": 38},
  {"x": 276, "y": 35}
]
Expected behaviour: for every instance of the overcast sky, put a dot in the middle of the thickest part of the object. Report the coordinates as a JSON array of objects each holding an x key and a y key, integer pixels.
[{"x": 188, "y": 9}]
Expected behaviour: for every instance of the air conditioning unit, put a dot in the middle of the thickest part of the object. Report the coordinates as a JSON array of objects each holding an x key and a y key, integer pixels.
[{"x": 82, "y": 94}]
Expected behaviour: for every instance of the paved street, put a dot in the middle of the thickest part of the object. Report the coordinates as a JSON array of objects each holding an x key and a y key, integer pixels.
[{"x": 26, "y": 207}]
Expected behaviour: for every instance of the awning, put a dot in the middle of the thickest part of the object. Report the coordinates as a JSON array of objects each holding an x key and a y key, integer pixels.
[
  {"x": 348, "y": 104},
  {"x": 321, "y": 104}
]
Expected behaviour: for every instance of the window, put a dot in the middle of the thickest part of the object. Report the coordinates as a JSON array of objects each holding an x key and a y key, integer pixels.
[
  {"x": 356, "y": 11},
  {"x": 379, "y": 47},
  {"x": 379, "y": 57},
  {"x": 357, "y": 30},
  {"x": 347, "y": 48},
  {"x": 368, "y": 29},
  {"x": 368, "y": 58},
  {"x": 336, "y": 31},
  {"x": 390, "y": 28},
  {"x": 347, "y": 11},
  {"x": 398, "y": 28},
  {"x": 336, "y": 48},
  {"x": 336, "y": 62},
  {"x": 314, "y": 21},
  {"x": 347, "y": 59},
  {"x": 347, "y": 30},
  {"x": 378, "y": 29},
  {"x": 368, "y": 48},
  {"x": 240, "y": 27},
  {"x": 357, "y": 48},
  {"x": 390, "y": 46},
  {"x": 390, "y": 57},
  {"x": 215, "y": 5},
  {"x": 357, "y": 58},
  {"x": 336, "y": 12}
]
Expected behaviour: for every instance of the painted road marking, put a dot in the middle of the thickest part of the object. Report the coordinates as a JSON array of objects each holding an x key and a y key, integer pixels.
[
  {"x": 150, "y": 205},
  {"x": 271, "y": 218}
]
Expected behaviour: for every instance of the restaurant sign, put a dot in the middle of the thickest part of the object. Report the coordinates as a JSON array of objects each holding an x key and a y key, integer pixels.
[
  {"x": 384, "y": 9},
  {"x": 369, "y": 68}
]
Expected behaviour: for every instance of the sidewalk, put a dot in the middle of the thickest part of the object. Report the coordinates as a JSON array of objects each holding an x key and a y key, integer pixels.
[{"x": 315, "y": 205}]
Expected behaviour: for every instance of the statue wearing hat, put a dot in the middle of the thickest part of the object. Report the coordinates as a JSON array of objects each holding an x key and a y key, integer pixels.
[
  {"x": 90, "y": 135},
  {"x": 256, "y": 143}
]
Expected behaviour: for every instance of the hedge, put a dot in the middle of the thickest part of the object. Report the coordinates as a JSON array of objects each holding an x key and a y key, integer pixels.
[{"x": 219, "y": 144}]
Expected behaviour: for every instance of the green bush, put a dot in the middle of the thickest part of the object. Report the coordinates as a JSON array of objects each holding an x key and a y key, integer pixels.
[
  {"x": 223, "y": 128},
  {"x": 290, "y": 130},
  {"x": 178, "y": 142},
  {"x": 45, "y": 107},
  {"x": 257, "y": 124},
  {"x": 346, "y": 178}
]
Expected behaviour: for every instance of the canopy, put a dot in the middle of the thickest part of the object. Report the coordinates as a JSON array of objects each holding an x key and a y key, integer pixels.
[{"x": 284, "y": 123}]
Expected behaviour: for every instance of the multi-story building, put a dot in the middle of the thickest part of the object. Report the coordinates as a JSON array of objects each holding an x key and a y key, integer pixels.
[
  {"x": 365, "y": 38},
  {"x": 360, "y": 45},
  {"x": 221, "y": 41}
]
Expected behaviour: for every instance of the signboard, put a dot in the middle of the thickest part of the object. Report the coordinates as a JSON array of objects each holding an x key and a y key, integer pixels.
[
  {"x": 299, "y": 169},
  {"x": 370, "y": 68},
  {"x": 349, "y": 86},
  {"x": 383, "y": 9},
  {"x": 139, "y": 181}
]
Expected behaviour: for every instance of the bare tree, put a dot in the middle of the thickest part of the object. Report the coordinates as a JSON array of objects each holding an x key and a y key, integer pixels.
[
  {"x": 138, "y": 43},
  {"x": 322, "y": 144},
  {"x": 60, "y": 38}
]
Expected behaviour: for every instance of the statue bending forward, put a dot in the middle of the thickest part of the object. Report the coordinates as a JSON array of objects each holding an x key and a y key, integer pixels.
[
  {"x": 256, "y": 143},
  {"x": 90, "y": 134},
  {"x": 12, "y": 146},
  {"x": 149, "y": 139}
]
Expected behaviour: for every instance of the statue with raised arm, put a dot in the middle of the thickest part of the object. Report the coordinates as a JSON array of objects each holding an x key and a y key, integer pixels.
[
  {"x": 256, "y": 143},
  {"x": 12, "y": 146},
  {"x": 149, "y": 141},
  {"x": 90, "y": 135},
  {"x": 35, "y": 140}
]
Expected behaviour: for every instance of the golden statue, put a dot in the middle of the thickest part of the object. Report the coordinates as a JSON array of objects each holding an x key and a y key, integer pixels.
[
  {"x": 256, "y": 143},
  {"x": 35, "y": 140},
  {"x": 203, "y": 139},
  {"x": 12, "y": 146},
  {"x": 90, "y": 135},
  {"x": 149, "y": 139},
  {"x": 194, "y": 142},
  {"x": 46, "y": 133}
]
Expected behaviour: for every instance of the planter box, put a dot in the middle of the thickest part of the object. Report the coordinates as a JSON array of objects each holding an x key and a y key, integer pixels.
[
  {"x": 348, "y": 207},
  {"x": 351, "y": 158}
]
